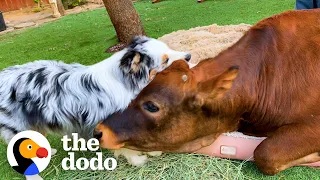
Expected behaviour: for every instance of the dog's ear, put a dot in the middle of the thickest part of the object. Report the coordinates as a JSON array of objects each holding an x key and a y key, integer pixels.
[
  {"x": 130, "y": 62},
  {"x": 153, "y": 74},
  {"x": 137, "y": 63}
]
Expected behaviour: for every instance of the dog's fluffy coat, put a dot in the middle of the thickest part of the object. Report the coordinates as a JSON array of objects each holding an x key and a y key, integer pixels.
[{"x": 53, "y": 96}]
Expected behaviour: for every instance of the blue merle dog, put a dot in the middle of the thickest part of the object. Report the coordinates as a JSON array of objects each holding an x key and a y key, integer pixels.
[{"x": 51, "y": 96}]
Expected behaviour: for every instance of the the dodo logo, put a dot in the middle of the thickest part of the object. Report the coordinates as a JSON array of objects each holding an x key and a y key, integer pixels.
[{"x": 29, "y": 153}]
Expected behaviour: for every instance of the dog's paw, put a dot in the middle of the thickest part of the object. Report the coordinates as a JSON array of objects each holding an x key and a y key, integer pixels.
[
  {"x": 154, "y": 153},
  {"x": 53, "y": 151},
  {"x": 34, "y": 177}
]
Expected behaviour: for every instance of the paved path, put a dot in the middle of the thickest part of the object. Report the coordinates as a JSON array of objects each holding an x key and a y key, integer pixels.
[{"x": 25, "y": 18}]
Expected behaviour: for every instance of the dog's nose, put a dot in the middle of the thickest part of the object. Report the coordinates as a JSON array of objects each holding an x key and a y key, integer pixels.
[
  {"x": 97, "y": 134},
  {"x": 188, "y": 57}
]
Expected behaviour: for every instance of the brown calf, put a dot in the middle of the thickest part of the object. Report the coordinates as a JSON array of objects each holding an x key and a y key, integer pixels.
[{"x": 267, "y": 84}]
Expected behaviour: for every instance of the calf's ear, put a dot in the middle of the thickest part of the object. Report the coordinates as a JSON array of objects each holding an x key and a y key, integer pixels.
[{"x": 217, "y": 87}]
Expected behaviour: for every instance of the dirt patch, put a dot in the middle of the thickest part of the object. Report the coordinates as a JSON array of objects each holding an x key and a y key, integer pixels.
[
  {"x": 205, "y": 42},
  {"x": 27, "y": 16}
]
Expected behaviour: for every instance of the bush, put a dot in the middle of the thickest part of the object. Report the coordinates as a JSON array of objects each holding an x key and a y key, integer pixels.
[
  {"x": 69, "y": 4},
  {"x": 37, "y": 9}
]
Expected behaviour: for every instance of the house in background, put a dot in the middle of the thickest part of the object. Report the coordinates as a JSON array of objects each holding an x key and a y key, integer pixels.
[{"x": 11, "y": 5}]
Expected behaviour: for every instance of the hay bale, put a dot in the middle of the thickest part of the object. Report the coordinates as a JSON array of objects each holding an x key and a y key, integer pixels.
[{"x": 205, "y": 42}]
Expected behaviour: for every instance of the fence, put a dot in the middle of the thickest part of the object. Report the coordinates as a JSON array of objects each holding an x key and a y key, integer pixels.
[{"x": 10, "y": 5}]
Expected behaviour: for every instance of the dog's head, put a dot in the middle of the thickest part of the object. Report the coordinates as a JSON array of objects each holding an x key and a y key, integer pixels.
[{"x": 144, "y": 57}]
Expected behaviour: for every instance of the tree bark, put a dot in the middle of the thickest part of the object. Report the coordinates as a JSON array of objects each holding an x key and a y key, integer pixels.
[
  {"x": 124, "y": 18},
  {"x": 61, "y": 8}
]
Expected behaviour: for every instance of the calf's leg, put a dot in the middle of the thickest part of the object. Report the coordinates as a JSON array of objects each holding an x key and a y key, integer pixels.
[{"x": 290, "y": 145}]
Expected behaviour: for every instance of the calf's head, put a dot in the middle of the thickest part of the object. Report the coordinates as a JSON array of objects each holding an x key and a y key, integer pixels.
[{"x": 175, "y": 112}]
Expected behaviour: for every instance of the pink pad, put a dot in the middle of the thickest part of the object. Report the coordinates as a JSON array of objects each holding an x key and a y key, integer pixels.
[{"x": 237, "y": 146}]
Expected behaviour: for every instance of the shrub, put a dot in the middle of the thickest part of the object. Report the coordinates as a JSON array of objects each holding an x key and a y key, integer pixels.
[
  {"x": 37, "y": 9},
  {"x": 69, "y": 4}
]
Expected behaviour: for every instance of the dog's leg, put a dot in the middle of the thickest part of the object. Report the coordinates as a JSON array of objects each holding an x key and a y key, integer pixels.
[
  {"x": 53, "y": 151},
  {"x": 7, "y": 133},
  {"x": 290, "y": 145},
  {"x": 34, "y": 177}
]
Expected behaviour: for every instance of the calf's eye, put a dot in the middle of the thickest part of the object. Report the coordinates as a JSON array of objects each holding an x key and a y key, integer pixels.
[{"x": 150, "y": 106}]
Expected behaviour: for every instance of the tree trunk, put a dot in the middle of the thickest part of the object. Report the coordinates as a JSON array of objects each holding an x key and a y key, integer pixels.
[
  {"x": 125, "y": 19},
  {"x": 61, "y": 8}
]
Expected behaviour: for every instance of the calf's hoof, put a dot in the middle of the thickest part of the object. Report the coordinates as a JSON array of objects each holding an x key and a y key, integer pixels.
[{"x": 270, "y": 170}]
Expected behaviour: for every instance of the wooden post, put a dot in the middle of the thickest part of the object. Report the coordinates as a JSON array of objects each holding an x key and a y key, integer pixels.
[
  {"x": 54, "y": 7},
  {"x": 125, "y": 19},
  {"x": 61, "y": 8}
]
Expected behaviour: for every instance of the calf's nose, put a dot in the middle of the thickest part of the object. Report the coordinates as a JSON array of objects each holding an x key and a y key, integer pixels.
[
  {"x": 107, "y": 138},
  {"x": 97, "y": 134}
]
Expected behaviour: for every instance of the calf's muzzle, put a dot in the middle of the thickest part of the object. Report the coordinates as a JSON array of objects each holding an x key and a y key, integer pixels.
[{"x": 106, "y": 137}]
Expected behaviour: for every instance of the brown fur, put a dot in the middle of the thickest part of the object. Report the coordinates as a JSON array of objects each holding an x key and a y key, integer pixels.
[{"x": 275, "y": 93}]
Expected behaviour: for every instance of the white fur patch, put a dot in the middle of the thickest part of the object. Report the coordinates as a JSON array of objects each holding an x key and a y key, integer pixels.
[
  {"x": 53, "y": 151},
  {"x": 34, "y": 177},
  {"x": 135, "y": 158},
  {"x": 6, "y": 134},
  {"x": 155, "y": 153}
]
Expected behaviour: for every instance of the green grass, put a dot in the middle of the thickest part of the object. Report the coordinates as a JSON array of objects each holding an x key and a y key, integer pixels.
[{"x": 84, "y": 37}]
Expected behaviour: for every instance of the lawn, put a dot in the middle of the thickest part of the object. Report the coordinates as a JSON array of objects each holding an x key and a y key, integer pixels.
[{"x": 84, "y": 37}]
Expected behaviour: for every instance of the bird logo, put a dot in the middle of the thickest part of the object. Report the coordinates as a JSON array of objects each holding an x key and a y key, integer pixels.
[{"x": 29, "y": 153}]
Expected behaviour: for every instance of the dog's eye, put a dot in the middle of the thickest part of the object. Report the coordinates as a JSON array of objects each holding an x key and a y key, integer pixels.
[
  {"x": 167, "y": 60},
  {"x": 150, "y": 106}
]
